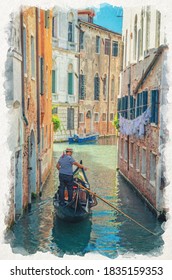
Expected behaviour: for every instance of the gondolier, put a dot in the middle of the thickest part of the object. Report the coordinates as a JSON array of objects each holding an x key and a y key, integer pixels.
[{"x": 65, "y": 167}]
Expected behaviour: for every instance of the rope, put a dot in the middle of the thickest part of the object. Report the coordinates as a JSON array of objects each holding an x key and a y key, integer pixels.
[{"x": 111, "y": 205}]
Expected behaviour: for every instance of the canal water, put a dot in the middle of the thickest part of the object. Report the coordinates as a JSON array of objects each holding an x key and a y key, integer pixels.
[{"x": 106, "y": 232}]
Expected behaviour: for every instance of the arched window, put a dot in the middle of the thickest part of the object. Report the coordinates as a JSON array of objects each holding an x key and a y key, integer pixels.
[
  {"x": 158, "y": 26},
  {"x": 96, "y": 87},
  {"x": 148, "y": 18},
  {"x": 112, "y": 88},
  {"x": 135, "y": 37},
  {"x": 70, "y": 80},
  {"x": 142, "y": 31},
  {"x": 70, "y": 27}
]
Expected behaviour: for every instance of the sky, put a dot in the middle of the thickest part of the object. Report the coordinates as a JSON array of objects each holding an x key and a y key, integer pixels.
[{"x": 109, "y": 16}]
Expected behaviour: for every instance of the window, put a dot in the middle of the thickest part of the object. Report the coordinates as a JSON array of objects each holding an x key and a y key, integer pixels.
[
  {"x": 137, "y": 158},
  {"x": 54, "y": 27},
  {"x": 135, "y": 37},
  {"x": 148, "y": 18},
  {"x": 152, "y": 169},
  {"x": 24, "y": 49},
  {"x": 114, "y": 48},
  {"x": 144, "y": 162},
  {"x": 142, "y": 32},
  {"x": 111, "y": 117},
  {"x": 142, "y": 102},
  {"x": 97, "y": 44},
  {"x": 104, "y": 117},
  {"x": 105, "y": 87},
  {"x": 82, "y": 91},
  {"x": 112, "y": 88},
  {"x": 96, "y": 87},
  {"x": 70, "y": 80},
  {"x": 70, "y": 118},
  {"x": 70, "y": 32},
  {"x": 47, "y": 19},
  {"x": 81, "y": 117},
  {"x": 107, "y": 46},
  {"x": 154, "y": 106},
  {"x": 139, "y": 43},
  {"x": 131, "y": 153},
  {"x": 55, "y": 111},
  {"x": 32, "y": 56},
  {"x": 88, "y": 115},
  {"x": 96, "y": 117},
  {"x": 121, "y": 147},
  {"x": 158, "y": 26},
  {"x": 41, "y": 86},
  {"x": 81, "y": 40},
  {"x": 126, "y": 150},
  {"x": 53, "y": 81}
]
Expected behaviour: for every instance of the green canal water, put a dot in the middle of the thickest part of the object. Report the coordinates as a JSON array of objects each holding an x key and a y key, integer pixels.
[{"x": 106, "y": 232}]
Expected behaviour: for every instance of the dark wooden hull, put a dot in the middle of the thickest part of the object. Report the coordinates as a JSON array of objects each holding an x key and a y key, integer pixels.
[{"x": 68, "y": 212}]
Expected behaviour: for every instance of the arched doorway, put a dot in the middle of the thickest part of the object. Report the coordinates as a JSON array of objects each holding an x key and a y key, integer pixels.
[{"x": 31, "y": 166}]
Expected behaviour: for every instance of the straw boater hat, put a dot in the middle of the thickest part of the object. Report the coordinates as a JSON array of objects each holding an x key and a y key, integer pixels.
[{"x": 69, "y": 150}]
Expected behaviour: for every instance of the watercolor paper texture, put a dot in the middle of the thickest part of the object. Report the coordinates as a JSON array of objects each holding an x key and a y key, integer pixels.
[{"x": 63, "y": 65}]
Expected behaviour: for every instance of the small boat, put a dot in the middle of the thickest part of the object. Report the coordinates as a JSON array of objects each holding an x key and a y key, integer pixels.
[
  {"x": 80, "y": 206},
  {"x": 88, "y": 138}
]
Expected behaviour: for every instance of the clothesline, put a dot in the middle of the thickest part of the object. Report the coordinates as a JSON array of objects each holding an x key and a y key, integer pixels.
[
  {"x": 135, "y": 126},
  {"x": 131, "y": 108}
]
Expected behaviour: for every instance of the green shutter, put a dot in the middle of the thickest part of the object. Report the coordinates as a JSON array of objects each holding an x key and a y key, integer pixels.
[
  {"x": 70, "y": 83},
  {"x": 156, "y": 106},
  {"x": 53, "y": 81}
]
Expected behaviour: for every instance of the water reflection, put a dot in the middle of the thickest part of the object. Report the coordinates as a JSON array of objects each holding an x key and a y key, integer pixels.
[
  {"x": 106, "y": 231},
  {"x": 71, "y": 239}
]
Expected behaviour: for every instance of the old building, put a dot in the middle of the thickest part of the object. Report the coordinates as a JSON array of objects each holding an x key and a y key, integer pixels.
[
  {"x": 44, "y": 93},
  {"x": 100, "y": 55},
  {"x": 65, "y": 71},
  {"x": 28, "y": 97},
  {"x": 140, "y": 104},
  {"x": 13, "y": 88}
]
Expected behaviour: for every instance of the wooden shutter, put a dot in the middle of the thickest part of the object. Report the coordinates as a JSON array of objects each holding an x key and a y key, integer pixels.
[
  {"x": 156, "y": 106},
  {"x": 53, "y": 81},
  {"x": 145, "y": 100},
  {"x": 152, "y": 106},
  {"x": 70, "y": 83}
]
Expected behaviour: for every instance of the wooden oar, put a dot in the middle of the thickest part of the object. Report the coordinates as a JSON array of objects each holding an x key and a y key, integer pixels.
[{"x": 117, "y": 209}]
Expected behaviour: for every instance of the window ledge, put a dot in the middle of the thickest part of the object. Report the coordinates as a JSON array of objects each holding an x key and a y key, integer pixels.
[
  {"x": 137, "y": 170},
  {"x": 33, "y": 78},
  {"x": 152, "y": 183},
  {"x": 143, "y": 175},
  {"x": 154, "y": 125}
]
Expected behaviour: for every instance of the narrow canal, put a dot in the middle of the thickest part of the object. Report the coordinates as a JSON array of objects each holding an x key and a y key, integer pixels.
[{"x": 106, "y": 232}]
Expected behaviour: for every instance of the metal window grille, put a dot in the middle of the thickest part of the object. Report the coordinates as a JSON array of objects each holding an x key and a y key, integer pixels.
[
  {"x": 96, "y": 88},
  {"x": 82, "y": 92},
  {"x": 70, "y": 118}
]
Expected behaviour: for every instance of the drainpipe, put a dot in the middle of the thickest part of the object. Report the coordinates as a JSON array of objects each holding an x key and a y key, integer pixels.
[
  {"x": 22, "y": 71},
  {"x": 79, "y": 72},
  {"x": 163, "y": 88},
  {"x": 108, "y": 85},
  {"x": 128, "y": 115},
  {"x": 38, "y": 100}
]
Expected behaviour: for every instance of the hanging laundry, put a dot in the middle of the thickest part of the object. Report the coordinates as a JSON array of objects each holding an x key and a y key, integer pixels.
[{"x": 135, "y": 127}]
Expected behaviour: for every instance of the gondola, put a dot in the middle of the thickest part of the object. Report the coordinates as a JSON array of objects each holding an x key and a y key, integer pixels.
[{"x": 80, "y": 206}]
